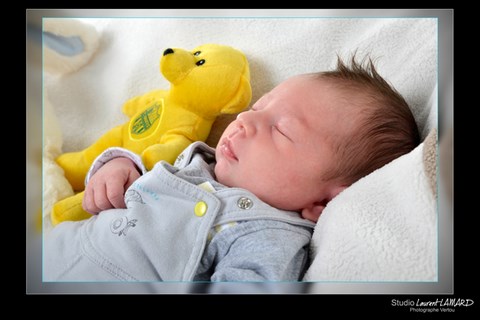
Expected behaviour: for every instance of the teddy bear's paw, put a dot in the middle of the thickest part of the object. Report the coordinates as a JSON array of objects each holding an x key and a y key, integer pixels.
[
  {"x": 167, "y": 152},
  {"x": 69, "y": 209},
  {"x": 75, "y": 168}
]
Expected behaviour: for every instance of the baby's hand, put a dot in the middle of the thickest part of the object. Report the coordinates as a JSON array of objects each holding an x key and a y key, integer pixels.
[{"x": 106, "y": 188}]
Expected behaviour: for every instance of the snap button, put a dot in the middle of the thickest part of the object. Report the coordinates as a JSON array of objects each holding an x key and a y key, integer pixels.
[
  {"x": 244, "y": 203},
  {"x": 200, "y": 208}
]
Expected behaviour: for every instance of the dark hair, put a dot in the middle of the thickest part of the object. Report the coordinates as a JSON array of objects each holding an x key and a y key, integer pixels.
[{"x": 386, "y": 130}]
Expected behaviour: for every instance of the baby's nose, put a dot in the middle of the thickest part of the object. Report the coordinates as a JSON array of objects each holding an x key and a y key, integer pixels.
[
  {"x": 247, "y": 122},
  {"x": 245, "y": 117}
]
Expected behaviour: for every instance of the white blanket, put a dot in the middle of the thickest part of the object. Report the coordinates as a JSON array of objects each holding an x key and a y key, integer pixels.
[
  {"x": 383, "y": 227},
  {"x": 88, "y": 102}
]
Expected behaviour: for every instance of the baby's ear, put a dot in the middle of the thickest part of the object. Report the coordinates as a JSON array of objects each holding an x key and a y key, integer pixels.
[{"x": 314, "y": 211}]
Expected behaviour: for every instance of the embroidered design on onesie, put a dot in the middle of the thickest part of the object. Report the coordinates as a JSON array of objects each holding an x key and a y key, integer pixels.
[
  {"x": 121, "y": 225},
  {"x": 133, "y": 196}
]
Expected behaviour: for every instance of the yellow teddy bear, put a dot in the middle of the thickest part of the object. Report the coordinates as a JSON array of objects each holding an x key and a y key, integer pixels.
[{"x": 208, "y": 81}]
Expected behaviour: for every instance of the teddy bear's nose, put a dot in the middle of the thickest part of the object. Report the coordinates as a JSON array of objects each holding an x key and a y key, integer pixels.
[{"x": 167, "y": 51}]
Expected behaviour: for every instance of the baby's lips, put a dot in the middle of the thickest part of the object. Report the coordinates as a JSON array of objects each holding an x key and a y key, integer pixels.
[{"x": 227, "y": 150}]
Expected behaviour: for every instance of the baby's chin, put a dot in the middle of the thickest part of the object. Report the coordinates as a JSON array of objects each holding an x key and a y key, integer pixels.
[{"x": 221, "y": 176}]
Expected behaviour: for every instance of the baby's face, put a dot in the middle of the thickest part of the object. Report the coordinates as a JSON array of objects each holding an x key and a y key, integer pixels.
[{"x": 279, "y": 149}]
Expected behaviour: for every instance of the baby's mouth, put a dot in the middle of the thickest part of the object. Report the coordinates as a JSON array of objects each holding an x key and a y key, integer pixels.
[{"x": 226, "y": 148}]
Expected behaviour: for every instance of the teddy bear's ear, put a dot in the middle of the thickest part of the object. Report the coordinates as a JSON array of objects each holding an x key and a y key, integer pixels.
[
  {"x": 241, "y": 99},
  {"x": 69, "y": 44}
]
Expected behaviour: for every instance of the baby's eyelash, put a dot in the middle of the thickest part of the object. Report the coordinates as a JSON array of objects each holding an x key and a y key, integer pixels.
[
  {"x": 281, "y": 132},
  {"x": 274, "y": 127}
]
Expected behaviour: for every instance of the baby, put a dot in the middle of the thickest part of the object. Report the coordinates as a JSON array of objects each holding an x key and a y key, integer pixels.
[{"x": 246, "y": 210}]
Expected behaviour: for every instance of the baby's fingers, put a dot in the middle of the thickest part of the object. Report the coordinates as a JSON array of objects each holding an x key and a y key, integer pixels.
[
  {"x": 115, "y": 191},
  {"x": 101, "y": 196},
  {"x": 88, "y": 202}
]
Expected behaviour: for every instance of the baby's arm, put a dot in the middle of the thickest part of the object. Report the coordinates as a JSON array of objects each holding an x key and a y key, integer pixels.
[{"x": 106, "y": 188}]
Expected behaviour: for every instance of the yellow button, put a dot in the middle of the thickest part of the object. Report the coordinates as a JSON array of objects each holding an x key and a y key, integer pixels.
[{"x": 200, "y": 208}]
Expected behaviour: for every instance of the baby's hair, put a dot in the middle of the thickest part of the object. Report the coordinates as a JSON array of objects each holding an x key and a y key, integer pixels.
[{"x": 386, "y": 129}]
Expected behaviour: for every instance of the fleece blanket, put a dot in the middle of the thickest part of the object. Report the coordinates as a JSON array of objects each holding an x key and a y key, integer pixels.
[
  {"x": 401, "y": 237},
  {"x": 383, "y": 227}
]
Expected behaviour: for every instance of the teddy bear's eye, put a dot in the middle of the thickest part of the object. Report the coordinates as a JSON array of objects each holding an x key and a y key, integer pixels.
[
  {"x": 197, "y": 53},
  {"x": 200, "y": 62}
]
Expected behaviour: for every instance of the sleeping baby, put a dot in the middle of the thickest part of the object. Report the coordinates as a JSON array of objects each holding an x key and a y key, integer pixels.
[{"x": 246, "y": 210}]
